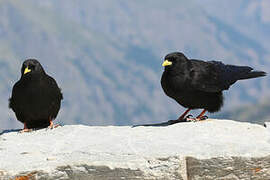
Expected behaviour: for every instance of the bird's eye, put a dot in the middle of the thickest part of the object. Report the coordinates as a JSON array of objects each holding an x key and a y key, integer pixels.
[
  {"x": 172, "y": 59},
  {"x": 31, "y": 66}
]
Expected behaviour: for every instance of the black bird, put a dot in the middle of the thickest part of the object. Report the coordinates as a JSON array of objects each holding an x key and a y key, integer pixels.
[
  {"x": 197, "y": 84},
  {"x": 36, "y": 97}
]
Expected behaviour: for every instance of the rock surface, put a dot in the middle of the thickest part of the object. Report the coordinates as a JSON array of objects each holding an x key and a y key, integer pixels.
[{"x": 212, "y": 149}]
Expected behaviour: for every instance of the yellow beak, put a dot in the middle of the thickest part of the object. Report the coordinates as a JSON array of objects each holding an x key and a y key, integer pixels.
[
  {"x": 167, "y": 63},
  {"x": 26, "y": 70}
]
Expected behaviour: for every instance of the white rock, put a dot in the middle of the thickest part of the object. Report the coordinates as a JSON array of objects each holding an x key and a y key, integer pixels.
[{"x": 142, "y": 148}]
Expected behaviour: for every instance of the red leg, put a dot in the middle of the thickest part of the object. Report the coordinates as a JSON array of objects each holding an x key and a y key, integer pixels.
[
  {"x": 183, "y": 115},
  {"x": 201, "y": 115},
  {"x": 25, "y": 129},
  {"x": 51, "y": 126}
]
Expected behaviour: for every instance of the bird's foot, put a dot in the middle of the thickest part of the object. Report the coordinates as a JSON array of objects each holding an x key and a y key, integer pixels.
[
  {"x": 25, "y": 130},
  {"x": 179, "y": 120},
  {"x": 203, "y": 118},
  {"x": 189, "y": 118},
  {"x": 52, "y": 126}
]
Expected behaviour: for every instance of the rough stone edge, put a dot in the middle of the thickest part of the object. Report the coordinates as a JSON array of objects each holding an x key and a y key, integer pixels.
[
  {"x": 86, "y": 172},
  {"x": 186, "y": 168},
  {"x": 228, "y": 168}
]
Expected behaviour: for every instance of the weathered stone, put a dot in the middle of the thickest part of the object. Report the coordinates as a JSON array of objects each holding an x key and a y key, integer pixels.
[
  {"x": 85, "y": 172},
  {"x": 233, "y": 168}
]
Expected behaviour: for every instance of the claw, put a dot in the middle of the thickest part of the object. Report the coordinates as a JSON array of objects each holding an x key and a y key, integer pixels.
[
  {"x": 203, "y": 118},
  {"x": 189, "y": 116},
  {"x": 191, "y": 119}
]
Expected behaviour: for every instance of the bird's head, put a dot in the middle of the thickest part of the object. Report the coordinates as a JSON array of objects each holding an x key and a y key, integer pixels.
[
  {"x": 174, "y": 60},
  {"x": 31, "y": 66}
]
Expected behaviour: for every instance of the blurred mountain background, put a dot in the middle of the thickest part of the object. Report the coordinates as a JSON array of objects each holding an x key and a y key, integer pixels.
[{"x": 106, "y": 55}]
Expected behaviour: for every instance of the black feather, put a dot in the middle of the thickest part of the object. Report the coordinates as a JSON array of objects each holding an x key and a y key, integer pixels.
[
  {"x": 252, "y": 74},
  {"x": 198, "y": 84},
  {"x": 36, "y": 97}
]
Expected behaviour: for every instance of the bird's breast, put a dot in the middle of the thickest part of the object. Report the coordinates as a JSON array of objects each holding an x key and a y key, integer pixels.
[{"x": 172, "y": 85}]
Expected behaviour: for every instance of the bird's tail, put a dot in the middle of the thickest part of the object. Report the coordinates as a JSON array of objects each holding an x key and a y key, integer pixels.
[{"x": 252, "y": 74}]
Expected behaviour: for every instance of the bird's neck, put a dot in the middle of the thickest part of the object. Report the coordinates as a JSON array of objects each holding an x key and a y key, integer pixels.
[
  {"x": 32, "y": 77},
  {"x": 177, "y": 70}
]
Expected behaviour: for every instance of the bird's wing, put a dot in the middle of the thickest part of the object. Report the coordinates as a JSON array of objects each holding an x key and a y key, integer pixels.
[
  {"x": 55, "y": 91},
  {"x": 54, "y": 94},
  {"x": 15, "y": 92},
  {"x": 214, "y": 76}
]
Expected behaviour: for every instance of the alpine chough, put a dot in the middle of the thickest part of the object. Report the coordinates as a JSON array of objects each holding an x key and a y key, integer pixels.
[
  {"x": 36, "y": 97},
  {"x": 197, "y": 84}
]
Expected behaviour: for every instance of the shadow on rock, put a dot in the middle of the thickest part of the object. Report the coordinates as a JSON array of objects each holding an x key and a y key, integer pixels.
[
  {"x": 9, "y": 131},
  {"x": 164, "y": 124}
]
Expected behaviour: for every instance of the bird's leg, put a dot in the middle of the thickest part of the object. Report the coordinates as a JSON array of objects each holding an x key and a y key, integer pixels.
[
  {"x": 25, "y": 129},
  {"x": 183, "y": 115},
  {"x": 201, "y": 116},
  {"x": 51, "y": 126}
]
